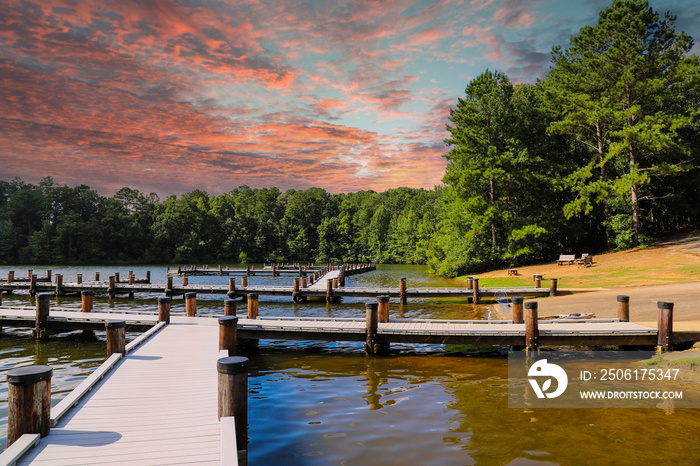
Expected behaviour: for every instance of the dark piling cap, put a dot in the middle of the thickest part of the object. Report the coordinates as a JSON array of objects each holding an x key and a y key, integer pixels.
[
  {"x": 87, "y": 293},
  {"x": 232, "y": 365},
  {"x": 253, "y": 296},
  {"x": 29, "y": 375},
  {"x": 112, "y": 324},
  {"x": 623, "y": 299},
  {"x": 373, "y": 305},
  {"x": 228, "y": 320},
  {"x": 43, "y": 296},
  {"x": 664, "y": 305},
  {"x": 403, "y": 279},
  {"x": 531, "y": 305},
  {"x": 190, "y": 295},
  {"x": 538, "y": 276},
  {"x": 229, "y": 302},
  {"x": 552, "y": 279},
  {"x": 383, "y": 299},
  {"x": 163, "y": 299},
  {"x": 517, "y": 300}
]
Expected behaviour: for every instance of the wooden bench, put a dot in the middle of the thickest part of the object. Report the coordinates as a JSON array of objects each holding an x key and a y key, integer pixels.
[
  {"x": 585, "y": 260},
  {"x": 512, "y": 272},
  {"x": 566, "y": 258}
]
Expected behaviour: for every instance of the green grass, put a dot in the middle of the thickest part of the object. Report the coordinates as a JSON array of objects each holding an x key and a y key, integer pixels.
[{"x": 505, "y": 282}]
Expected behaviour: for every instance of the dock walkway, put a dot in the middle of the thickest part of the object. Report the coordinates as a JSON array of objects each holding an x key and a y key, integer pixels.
[{"x": 159, "y": 406}]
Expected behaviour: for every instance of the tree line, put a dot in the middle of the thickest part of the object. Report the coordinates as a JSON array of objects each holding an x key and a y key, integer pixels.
[
  {"x": 602, "y": 154},
  {"x": 52, "y": 224}
]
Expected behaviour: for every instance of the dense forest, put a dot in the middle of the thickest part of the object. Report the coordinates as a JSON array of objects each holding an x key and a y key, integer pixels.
[{"x": 603, "y": 154}]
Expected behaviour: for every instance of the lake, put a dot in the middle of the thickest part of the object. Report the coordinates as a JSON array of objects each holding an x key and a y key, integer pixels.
[{"x": 315, "y": 403}]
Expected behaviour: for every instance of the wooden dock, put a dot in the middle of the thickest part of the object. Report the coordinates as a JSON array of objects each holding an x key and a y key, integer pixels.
[
  {"x": 157, "y": 406},
  {"x": 158, "y": 403}
]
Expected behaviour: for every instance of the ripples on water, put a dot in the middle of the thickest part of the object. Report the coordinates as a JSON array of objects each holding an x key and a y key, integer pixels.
[{"x": 315, "y": 403}]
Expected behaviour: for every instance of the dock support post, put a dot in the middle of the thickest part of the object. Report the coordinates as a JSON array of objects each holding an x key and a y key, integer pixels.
[
  {"x": 191, "y": 304},
  {"x": 169, "y": 286},
  {"x": 59, "y": 284},
  {"x": 148, "y": 277},
  {"x": 517, "y": 303},
  {"x": 402, "y": 290},
  {"x": 475, "y": 290},
  {"x": 164, "y": 309},
  {"x": 185, "y": 280},
  {"x": 383, "y": 317},
  {"x": 341, "y": 277},
  {"x": 552, "y": 287},
  {"x": 244, "y": 282},
  {"x": 538, "y": 281},
  {"x": 28, "y": 402},
  {"x": 532, "y": 334},
  {"x": 0, "y": 303},
  {"x": 42, "y": 315},
  {"x": 247, "y": 270},
  {"x": 233, "y": 399},
  {"x": 79, "y": 279},
  {"x": 470, "y": 282},
  {"x": 131, "y": 278},
  {"x": 329, "y": 290},
  {"x": 253, "y": 306},
  {"x": 110, "y": 288},
  {"x": 295, "y": 293},
  {"x": 86, "y": 298},
  {"x": 10, "y": 276},
  {"x": 623, "y": 308},
  {"x": 228, "y": 334},
  {"x": 231, "y": 288},
  {"x": 116, "y": 277},
  {"x": 229, "y": 307},
  {"x": 32, "y": 285},
  {"x": 372, "y": 325},
  {"x": 665, "y": 336},
  {"x": 97, "y": 276},
  {"x": 116, "y": 337}
]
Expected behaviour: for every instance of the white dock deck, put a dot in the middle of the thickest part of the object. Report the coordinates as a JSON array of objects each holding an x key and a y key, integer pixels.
[{"x": 159, "y": 406}]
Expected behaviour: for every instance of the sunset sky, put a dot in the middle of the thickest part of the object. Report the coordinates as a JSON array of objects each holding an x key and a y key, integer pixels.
[{"x": 170, "y": 96}]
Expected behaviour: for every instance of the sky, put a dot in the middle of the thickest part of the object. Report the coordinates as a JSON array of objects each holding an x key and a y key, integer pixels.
[{"x": 169, "y": 96}]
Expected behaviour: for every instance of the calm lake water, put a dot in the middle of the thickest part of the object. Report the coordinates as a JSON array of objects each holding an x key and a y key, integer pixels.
[{"x": 314, "y": 403}]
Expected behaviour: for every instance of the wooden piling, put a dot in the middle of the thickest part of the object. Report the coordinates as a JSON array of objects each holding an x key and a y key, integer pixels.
[
  {"x": 329, "y": 290},
  {"x": 244, "y": 282},
  {"x": 110, "y": 289},
  {"x": 86, "y": 298},
  {"x": 538, "y": 281},
  {"x": 341, "y": 277},
  {"x": 470, "y": 282},
  {"x": 253, "y": 306},
  {"x": 59, "y": 284},
  {"x": 295, "y": 292},
  {"x": 116, "y": 277},
  {"x": 303, "y": 282},
  {"x": 10, "y": 276},
  {"x": 532, "y": 334},
  {"x": 191, "y": 304},
  {"x": 229, "y": 307},
  {"x": 32, "y": 285},
  {"x": 97, "y": 276},
  {"x": 228, "y": 334},
  {"x": 623, "y": 308},
  {"x": 475, "y": 290},
  {"x": 28, "y": 402},
  {"x": 185, "y": 280},
  {"x": 402, "y": 290},
  {"x": 42, "y": 315},
  {"x": 148, "y": 277},
  {"x": 552, "y": 287},
  {"x": 131, "y": 278},
  {"x": 79, "y": 278},
  {"x": 372, "y": 325},
  {"x": 164, "y": 309},
  {"x": 665, "y": 326},
  {"x": 116, "y": 337},
  {"x": 233, "y": 398},
  {"x": 169, "y": 286},
  {"x": 517, "y": 303}
]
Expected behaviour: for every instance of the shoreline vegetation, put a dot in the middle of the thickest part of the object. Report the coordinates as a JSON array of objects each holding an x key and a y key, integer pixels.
[{"x": 601, "y": 155}]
